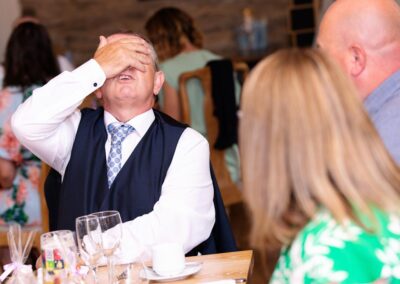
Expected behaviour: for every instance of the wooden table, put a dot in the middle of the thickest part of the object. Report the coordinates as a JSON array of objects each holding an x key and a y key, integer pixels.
[{"x": 233, "y": 265}]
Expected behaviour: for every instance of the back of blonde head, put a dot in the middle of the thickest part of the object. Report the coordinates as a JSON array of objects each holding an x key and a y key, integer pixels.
[{"x": 306, "y": 142}]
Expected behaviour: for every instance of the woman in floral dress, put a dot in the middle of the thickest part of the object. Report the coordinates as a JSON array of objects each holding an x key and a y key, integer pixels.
[
  {"x": 317, "y": 177},
  {"x": 29, "y": 62}
]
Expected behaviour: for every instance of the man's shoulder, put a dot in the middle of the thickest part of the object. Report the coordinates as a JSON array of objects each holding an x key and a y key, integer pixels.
[
  {"x": 187, "y": 133},
  {"x": 390, "y": 108},
  {"x": 194, "y": 136},
  {"x": 166, "y": 119}
]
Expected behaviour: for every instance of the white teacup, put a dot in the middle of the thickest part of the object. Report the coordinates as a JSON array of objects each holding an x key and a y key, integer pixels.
[{"x": 168, "y": 259}]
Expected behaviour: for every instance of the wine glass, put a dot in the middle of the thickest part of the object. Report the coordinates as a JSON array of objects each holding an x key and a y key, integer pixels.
[
  {"x": 88, "y": 234},
  {"x": 111, "y": 227}
]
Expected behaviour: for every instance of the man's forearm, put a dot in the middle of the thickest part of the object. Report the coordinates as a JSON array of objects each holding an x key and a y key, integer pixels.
[{"x": 46, "y": 123}]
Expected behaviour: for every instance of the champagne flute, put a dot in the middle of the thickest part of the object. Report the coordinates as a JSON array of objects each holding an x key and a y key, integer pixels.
[
  {"x": 111, "y": 227},
  {"x": 88, "y": 234}
]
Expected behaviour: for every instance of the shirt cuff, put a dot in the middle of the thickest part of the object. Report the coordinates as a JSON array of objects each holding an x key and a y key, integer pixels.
[{"x": 91, "y": 72}]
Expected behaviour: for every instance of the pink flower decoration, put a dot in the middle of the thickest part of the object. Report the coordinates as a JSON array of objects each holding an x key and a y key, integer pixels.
[
  {"x": 4, "y": 99},
  {"x": 10, "y": 143},
  {"x": 9, "y": 202},
  {"x": 34, "y": 176},
  {"x": 21, "y": 193}
]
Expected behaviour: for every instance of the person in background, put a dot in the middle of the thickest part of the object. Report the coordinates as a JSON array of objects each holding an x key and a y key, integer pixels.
[
  {"x": 127, "y": 156},
  {"x": 317, "y": 177},
  {"x": 363, "y": 36},
  {"x": 1, "y": 76},
  {"x": 29, "y": 63},
  {"x": 29, "y": 15},
  {"x": 179, "y": 46}
]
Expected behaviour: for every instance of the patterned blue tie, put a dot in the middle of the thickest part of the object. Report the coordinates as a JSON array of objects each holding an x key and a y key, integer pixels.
[{"x": 118, "y": 134}]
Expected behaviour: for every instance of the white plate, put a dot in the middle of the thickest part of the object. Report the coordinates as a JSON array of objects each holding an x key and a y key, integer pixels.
[{"x": 190, "y": 269}]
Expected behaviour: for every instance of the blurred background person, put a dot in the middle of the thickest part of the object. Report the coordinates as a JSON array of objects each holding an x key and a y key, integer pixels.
[
  {"x": 317, "y": 177},
  {"x": 179, "y": 46},
  {"x": 29, "y": 63},
  {"x": 363, "y": 36},
  {"x": 29, "y": 15},
  {"x": 1, "y": 76}
]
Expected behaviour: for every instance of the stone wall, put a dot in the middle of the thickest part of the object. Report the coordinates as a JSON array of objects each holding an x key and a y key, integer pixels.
[{"x": 76, "y": 24}]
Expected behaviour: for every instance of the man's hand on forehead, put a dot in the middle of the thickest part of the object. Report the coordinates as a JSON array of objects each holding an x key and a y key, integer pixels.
[
  {"x": 119, "y": 52},
  {"x": 120, "y": 36}
]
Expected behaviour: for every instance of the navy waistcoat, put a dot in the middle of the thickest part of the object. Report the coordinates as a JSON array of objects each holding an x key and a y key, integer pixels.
[{"x": 137, "y": 186}]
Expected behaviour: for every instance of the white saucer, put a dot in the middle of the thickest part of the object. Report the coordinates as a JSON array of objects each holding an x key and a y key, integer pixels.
[{"x": 190, "y": 269}]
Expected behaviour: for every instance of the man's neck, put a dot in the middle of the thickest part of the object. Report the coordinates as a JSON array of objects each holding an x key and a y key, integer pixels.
[{"x": 124, "y": 115}]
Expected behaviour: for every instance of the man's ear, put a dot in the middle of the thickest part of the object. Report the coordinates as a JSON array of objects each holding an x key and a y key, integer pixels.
[
  {"x": 158, "y": 81},
  {"x": 358, "y": 60}
]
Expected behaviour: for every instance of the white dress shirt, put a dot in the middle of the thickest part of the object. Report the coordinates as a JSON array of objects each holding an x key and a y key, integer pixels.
[{"x": 47, "y": 123}]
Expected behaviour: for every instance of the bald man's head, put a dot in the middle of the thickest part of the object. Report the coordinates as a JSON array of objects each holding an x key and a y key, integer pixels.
[{"x": 364, "y": 38}]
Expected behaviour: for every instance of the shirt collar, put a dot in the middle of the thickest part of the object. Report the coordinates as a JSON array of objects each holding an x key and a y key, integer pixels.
[
  {"x": 384, "y": 92},
  {"x": 141, "y": 122}
]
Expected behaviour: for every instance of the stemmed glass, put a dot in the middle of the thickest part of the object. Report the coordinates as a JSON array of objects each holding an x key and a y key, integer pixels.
[
  {"x": 111, "y": 226},
  {"x": 88, "y": 234}
]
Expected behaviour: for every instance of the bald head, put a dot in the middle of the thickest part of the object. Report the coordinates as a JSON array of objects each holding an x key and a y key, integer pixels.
[{"x": 364, "y": 38}]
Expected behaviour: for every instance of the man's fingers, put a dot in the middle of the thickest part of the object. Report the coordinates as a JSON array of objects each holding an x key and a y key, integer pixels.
[
  {"x": 103, "y": 42},
  {"x": 140, "y": 55},
  {"x": 139, "y": 61},
  {"x": 137, "y": 48},
  {"x": 132, "y": 39},
  {"x": 136, "y": 64},
  {"x": 114, "y": 56}
]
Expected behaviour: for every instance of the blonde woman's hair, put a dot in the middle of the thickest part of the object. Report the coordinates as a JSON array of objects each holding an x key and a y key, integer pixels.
[{"x": 306, "y": 142}]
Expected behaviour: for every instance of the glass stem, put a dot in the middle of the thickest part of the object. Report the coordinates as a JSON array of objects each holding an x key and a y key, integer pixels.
[
  {"x": 110, "y": 268},
  {"x": 94, "y": 270}
]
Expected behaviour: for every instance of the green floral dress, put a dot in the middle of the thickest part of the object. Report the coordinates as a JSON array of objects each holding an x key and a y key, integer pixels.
[
  {"x": 327, "y": 252},
  {"x": 21, "y": 202}
]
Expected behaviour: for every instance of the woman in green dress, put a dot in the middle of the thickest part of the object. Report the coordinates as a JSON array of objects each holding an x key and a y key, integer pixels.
[
  {"x": 179, "y": 46},
  {"x": 317, "y": 177}
]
